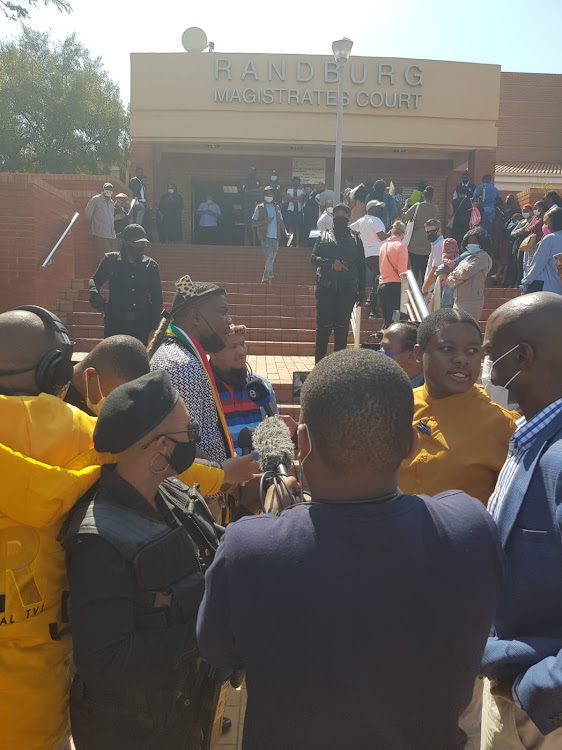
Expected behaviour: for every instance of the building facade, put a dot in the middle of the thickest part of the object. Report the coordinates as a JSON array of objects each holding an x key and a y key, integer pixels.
[{"x": 201, "y": 119}]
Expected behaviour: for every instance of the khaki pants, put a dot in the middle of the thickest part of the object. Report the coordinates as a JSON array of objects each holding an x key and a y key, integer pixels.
[
  {"x": 103, "y": 245},
  {"x": 506, "y": 727},
  {"x": 471, "y": 718}
]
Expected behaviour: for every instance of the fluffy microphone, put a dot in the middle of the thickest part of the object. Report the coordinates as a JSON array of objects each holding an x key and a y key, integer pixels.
[
  {"x": 245, "y": 440},
  {"x": 260, "y": 394},
  {"x": 272, "y": 441}
]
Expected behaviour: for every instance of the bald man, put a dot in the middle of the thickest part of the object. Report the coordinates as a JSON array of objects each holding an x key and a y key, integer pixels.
[{"x": 522, "y": 662}]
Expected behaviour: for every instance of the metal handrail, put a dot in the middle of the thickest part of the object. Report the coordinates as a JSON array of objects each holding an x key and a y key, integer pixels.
[
  {"x": 63, "y": 235},
  {"x": 411, "y": 299},
  {"x": 356, "y": 326}
]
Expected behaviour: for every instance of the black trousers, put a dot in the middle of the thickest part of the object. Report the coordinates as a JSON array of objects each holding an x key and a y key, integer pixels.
[
  {"x": 373, "y": 266},
  {"x": 418, "y": 264},
  {"x": 389, "y": 295},
  {"x": 116, "y": 326},
  {"x": 333, "y": 311}
]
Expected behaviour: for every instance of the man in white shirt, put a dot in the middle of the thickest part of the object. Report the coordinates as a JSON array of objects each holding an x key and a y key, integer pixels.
[
  {"x": 323, "y": 195},
  {"x": 208, "y": 213},
  {"x": 373, "y": 234},
  {"x": 435, "y": 236},
  {"x": 326, "y": 221}
]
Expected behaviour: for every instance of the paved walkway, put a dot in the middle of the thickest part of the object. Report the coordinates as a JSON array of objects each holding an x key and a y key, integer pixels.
[
  {"x": 278, "y": 368},
  {"x": 235, "y": 710}
]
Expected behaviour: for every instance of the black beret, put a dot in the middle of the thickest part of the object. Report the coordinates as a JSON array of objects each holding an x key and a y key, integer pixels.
[{"x": 133, "y": 410}]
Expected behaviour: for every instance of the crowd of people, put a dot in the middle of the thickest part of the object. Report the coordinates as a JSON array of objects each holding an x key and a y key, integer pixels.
[
  {"x": 108, "y": 217},
  {"x": 385, "y": 607}
]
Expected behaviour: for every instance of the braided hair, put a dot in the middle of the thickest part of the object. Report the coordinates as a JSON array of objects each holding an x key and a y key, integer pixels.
[{"x": 188, "y": 294}]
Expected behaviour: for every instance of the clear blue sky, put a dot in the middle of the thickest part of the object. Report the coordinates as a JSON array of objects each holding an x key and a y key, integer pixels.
[{"x": 510, "y": 33}]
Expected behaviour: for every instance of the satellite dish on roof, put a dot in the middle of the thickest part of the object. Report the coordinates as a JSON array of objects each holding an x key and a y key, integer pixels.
[{"x": 194, "y": 39}]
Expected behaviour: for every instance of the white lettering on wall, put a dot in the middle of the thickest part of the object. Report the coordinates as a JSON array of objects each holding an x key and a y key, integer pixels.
[
  {"x": 413, "y": 75},
  {"x": 353, "y": 75},
  {"x": 331, "y": 71},
  {"x": 249, "y": 70},
  {"x": 301, "y": 77},
  {"x": 373, "y": 85},
  {"x": 222, "y": 66},
  {"x": 318, "y": 97},
  {"x": 389, "y": 73},
  {"x": 279, "y": 70}
]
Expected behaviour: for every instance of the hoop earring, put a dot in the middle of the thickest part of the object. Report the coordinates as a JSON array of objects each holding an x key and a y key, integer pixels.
[{"x": 160, "y": 471}]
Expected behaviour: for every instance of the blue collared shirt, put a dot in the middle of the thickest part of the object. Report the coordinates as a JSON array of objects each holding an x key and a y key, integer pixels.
[{"x": 520, "y": 443}]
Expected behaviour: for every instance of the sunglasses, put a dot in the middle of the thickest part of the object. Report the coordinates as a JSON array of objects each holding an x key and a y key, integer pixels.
[{"x": 192, "y": 432}]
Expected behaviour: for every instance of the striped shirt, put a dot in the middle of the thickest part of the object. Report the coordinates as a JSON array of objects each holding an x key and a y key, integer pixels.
[{"x": 520, "y": 443}]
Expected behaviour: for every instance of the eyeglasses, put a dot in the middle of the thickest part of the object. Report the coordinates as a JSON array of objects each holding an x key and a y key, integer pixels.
[{"x": 192, "y": 432}]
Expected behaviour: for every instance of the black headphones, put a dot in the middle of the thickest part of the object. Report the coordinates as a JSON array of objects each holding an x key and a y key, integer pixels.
[{"x": 54, "y": 369}]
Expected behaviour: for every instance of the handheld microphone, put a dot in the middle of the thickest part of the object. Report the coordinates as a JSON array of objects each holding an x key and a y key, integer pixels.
[
  {"x": 245, "y": 437},
  {"x": 260, "y": 394},
  {"x": 272, "y": 441}
]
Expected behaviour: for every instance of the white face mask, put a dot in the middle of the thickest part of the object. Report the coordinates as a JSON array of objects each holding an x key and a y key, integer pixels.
[
  {"x": 330, "y": 210},
  {"x": 268, "y": 198},
  {"x": 96, "y": 408},
  {"x": 273, "y": 178},
  {"x": 171, "y": 190},
  {"x": 495, "y": 362}
]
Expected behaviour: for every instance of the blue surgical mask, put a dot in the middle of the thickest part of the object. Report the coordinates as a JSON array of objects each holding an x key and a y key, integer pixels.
[
  {"x": 525, "y": 214},
  {"x": 171, "y": 190},
  {"x": 472, "y": 248},
  {"x": 536, "y": 211},
  {"x": 273, "y": 178},
  {"x": 386, "y": 354}
]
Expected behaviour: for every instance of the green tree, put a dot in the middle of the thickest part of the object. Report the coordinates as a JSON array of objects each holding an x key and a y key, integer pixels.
[
  {"x": 16, "y": 12},
  {"x": 59, "y": 110}
]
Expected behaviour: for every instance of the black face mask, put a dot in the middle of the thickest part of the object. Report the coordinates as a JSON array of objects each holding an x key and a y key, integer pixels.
[
  {"x": 433, "y": 235},
  {"x": 340, "y": 223},
  {"x": 212, "y": 343},
  {"x": 183, "y": 455}
]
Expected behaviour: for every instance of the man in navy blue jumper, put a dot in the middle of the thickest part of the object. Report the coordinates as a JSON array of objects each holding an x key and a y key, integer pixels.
[{"x": 361, "y": 616}]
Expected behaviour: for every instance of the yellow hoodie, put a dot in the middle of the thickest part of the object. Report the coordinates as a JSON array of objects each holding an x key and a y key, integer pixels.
[{"x": 46, "y": 463}]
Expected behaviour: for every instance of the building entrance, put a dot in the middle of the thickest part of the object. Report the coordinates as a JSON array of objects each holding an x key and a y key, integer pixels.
[{"x": 226, "y": 193}]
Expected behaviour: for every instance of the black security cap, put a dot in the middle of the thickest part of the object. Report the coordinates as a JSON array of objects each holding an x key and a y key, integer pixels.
[
  {"x": 133, "y": 410},
  {"x": 134, "y": 233}
]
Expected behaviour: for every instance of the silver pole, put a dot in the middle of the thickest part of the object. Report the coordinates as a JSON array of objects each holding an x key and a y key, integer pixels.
[{"x": 339, "y": 132}]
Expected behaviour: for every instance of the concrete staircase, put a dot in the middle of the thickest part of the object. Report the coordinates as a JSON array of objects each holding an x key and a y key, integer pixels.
[{"x": 280, "y": 317}]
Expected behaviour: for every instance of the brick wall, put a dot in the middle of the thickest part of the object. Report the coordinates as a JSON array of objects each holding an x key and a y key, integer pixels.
[
  {"x": 530, "y": 117},
  {"x": 33, "y": 215},
  {"x": 34, "y": 212},
  {"x": 531, "y": 195}
]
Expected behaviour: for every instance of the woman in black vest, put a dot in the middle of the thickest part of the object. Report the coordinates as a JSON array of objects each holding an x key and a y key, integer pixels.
[
  {"x": 138, "y": 545},
  {"x": 339, "y": 258}
]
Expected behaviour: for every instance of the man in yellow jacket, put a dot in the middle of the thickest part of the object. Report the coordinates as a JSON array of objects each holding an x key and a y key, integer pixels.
[{"x": 47, "y": 462}]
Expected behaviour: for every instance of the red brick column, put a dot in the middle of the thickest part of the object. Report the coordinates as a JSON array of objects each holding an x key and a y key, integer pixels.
[
  {"x": 481, "y": 162},
  {"x": 142, "y": 155}
]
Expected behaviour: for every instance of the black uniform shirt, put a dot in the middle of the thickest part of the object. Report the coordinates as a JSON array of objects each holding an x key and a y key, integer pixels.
[
  {"x": 346, "y": 247},
  {"x": 110, "y": 653},
  {"x": 135, "y": 290}
]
